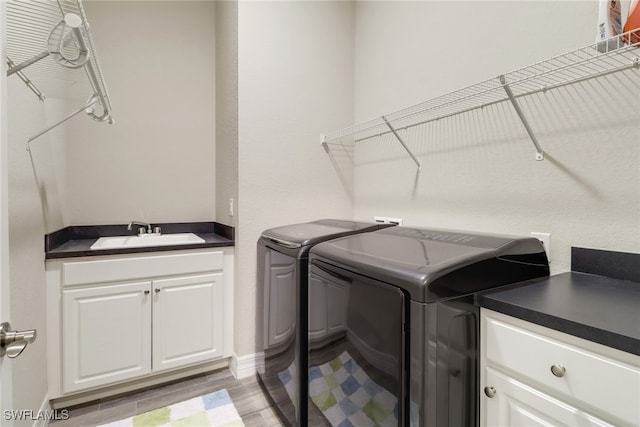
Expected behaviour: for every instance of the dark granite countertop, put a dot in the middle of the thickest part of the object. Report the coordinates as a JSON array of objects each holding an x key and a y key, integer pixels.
[
  {"x": 76, "y": 241},
  {"x": 595, "y": 307}
]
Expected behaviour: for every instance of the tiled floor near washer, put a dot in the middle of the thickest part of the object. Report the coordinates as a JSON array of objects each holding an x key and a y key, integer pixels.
[{"x": 246, "y": 394}]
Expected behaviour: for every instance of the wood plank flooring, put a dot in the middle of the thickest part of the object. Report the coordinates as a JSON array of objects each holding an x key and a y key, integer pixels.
[{"x": 247, "y": 396}]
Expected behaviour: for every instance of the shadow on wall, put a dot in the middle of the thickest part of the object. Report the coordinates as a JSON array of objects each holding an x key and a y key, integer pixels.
[{"x": 341, "y": 156}]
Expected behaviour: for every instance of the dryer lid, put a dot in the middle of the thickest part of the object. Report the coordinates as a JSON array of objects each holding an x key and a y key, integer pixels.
[
  {"x": 432, "y": 264},
  {"x": 310, "y": 233}
]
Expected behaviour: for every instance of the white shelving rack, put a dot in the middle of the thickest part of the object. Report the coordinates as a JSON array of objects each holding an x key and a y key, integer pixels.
[
  {"x": 610, "y": 56},
  {"x": 68, "y": 69}
]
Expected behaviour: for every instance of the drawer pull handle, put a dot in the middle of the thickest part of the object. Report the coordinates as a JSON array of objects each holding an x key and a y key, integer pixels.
[
  {"x": 558, "y": 370},
  {"x": 490, "y": 392}
]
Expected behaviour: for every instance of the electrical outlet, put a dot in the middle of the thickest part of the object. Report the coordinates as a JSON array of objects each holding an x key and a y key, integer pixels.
[
  {"x": 545, "y": 239},
  {"x": 387, "y": 220},
  {"x": 231, "y": 206}
]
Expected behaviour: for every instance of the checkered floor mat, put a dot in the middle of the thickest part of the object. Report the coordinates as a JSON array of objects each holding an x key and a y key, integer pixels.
[
  {"x": 214, "y": 409},
  {"x": 348, "y": 397},
  {"x": 289, "y": 380}
]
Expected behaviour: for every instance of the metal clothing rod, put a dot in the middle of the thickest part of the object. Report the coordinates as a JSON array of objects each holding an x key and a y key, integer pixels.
[
  {"x": 25, "y": 64},
  {"x": 89, "y": 104},
  {"x": 523, "y": 119},
  {"x": 26, "y": 81},
  {"x": 402, "y": 142}
]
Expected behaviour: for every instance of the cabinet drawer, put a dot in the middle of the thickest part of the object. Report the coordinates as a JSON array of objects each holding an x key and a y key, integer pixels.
[
  {"x": 517, "y": 404},
  {"x": 119, "y": 269},
  {"x": 589, "y": 379}
]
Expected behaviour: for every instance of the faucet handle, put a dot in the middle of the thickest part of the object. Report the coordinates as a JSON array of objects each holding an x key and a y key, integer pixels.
[{"x": 157, "y": 230}]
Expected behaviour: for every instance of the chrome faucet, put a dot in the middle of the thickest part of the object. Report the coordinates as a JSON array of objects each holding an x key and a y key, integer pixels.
[{"x": 142, "y": 229}]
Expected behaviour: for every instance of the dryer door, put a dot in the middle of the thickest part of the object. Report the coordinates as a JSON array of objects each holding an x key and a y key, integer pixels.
[
  {"x": 356, "y": 349},
  {"x": 278, "y": 282}
]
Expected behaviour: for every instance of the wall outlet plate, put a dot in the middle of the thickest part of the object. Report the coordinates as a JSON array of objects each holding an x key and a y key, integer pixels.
[
  {"x": 387, "y": 220},
  {"x": 545, "y": 239}
]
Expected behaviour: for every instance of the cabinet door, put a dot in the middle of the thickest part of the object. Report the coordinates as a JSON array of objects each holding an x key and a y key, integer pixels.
[
  {"x": 106, "y": 334},
  {"x": 187, "y": 320},
  {"x": 516, "y": 404}
]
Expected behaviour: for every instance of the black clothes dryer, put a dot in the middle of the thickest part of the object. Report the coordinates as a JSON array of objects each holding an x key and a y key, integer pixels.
[
  {"x": 282, "y": 274},
  {"x": 393, "y": 328}
]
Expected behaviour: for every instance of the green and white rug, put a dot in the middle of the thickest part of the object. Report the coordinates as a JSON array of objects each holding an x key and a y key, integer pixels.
[{"x": 211, "y": 410}]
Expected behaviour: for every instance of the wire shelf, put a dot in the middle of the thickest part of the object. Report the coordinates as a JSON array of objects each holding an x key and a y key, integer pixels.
[
  {"x": 29, "y": 26},
  {"x": 588, "y": 62}
]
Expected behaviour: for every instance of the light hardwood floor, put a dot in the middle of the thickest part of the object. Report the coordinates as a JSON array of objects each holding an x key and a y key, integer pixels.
[{"x": 252, "y": 405}]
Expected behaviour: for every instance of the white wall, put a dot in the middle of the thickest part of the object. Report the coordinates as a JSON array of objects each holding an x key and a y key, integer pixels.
[
  {"x": 157, "y": 162},
  {"x": 479, "y": 171},
  {"x": 226, "y": 167},
  {"x": 295, "y": 80},
  {"x": 26, "y": 115}
]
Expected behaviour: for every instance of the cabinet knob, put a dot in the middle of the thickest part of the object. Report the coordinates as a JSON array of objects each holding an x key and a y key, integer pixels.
[
  {"x": 157, "y": 290},
  {"x": 146, "y": 292},
  {"x": 490, "y": 392},
  {"x": 558, "y": 370}
]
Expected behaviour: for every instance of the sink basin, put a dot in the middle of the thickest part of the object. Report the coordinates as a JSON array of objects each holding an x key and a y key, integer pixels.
[{"x": 123, "y": 242}]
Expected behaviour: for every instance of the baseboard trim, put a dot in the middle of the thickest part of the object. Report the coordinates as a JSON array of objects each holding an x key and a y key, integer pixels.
[
  {"x": 246, "y": 365},
  {"x": 43, "y": 412},
  {"x": 138, "y": 384}
]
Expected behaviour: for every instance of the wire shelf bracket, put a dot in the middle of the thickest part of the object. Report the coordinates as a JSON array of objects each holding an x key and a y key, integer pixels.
[
  {"x": 523, "y": 118},
  {"x": 50, "y": 39},
  {"x": 619, "y": 53},
  {"x": 386, "y": 122}
]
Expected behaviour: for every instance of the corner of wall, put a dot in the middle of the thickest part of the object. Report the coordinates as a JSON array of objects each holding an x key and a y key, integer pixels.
[{"x": 247, "y": 365}]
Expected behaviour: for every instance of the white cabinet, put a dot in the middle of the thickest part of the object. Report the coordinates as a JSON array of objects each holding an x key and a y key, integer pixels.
[
  {"x": 517, "y": 404},
  {"x": 187, "y": 320},
  {"x": 115, "y": 319},
  {"x": 532, "y": 375},
  {"x": 106, "y": 334}
]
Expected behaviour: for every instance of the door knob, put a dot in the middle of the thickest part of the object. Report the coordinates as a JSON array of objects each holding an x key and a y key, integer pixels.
[{"x": 12, "y": 343}]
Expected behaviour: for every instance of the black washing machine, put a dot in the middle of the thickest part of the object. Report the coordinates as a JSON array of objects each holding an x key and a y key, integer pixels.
[
  {"x": 282, "y": 271},
  {"x": 393, "y": 328}
]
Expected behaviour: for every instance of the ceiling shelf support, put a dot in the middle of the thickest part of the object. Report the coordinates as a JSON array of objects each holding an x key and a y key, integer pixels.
[
  {"x": 90, "y": 103},
  {"x": 53, "y": 39},
  {"x": 523, "y": 119}
]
